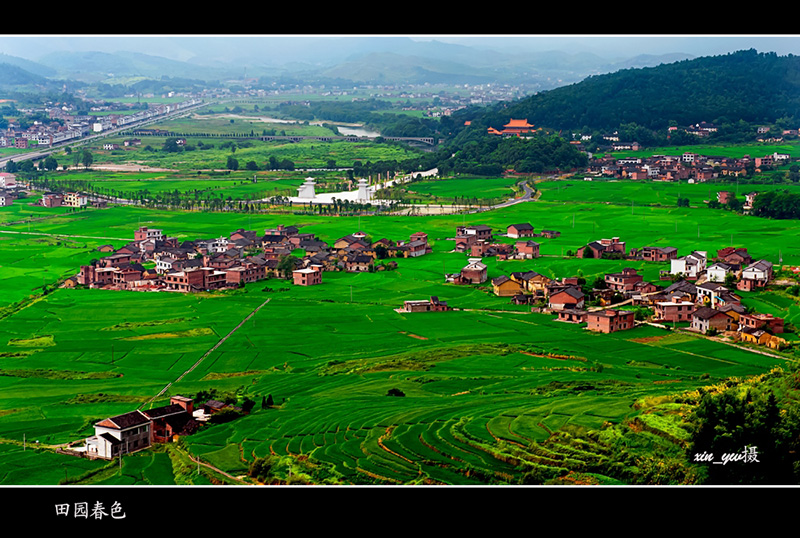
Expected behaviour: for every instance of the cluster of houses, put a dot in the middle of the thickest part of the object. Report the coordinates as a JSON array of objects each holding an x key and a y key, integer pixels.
[
  {"x": 244, "y": 256},
  {"x": 702, "y": 292},
  {"x": 73, "y": 127},
  {"x": 477, "y": 241},
  {"x": 139, "y": 429},
  {"x": 64, "y": 199},
  {"x": 691, "y": 167}
]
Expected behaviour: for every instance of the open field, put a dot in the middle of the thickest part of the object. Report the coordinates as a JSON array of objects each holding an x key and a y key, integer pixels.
[
  {"x": 492, "y": 391},
  {"x": 447, "y": 190},
  {"x": 304, "y": 154}
]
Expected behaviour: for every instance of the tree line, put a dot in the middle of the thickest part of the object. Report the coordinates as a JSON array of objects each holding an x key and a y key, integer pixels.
[{"x": 734, "y": 91}]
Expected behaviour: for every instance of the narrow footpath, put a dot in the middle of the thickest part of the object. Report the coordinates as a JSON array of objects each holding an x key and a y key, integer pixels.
[{"x": 206, "y": 354}]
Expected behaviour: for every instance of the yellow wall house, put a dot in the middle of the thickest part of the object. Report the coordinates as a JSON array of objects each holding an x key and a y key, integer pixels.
[{"x": 505, "y": 287}]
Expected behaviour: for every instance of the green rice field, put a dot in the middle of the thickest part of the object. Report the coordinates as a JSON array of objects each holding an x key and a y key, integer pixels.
[{"x": 492, "y": 392}]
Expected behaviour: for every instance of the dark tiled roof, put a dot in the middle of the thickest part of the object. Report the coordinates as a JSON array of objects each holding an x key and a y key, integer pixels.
[
  {"x": 705, "y": 312},
  {"x": 128, "y": 420},
  {"x": 163, "y": 411}
]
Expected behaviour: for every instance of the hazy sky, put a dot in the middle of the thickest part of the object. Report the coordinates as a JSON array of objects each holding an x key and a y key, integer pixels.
[
  {"x": 626, "y": 44},
  {"x": 183, "y": 47}
]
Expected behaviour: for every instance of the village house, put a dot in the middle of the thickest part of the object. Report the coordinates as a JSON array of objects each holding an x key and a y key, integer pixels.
[
  {"x": 735, "y": 256},
  {"x": 724, "y": 197},
  {"x": 503, "y": 286},
  {"x": 358, "y": 263},
  {"x": 486, "y": 249},
  {"x": 570, "y": 315},
  {"x": 754, "y": 336},
  {"x": 532, "y": 282},
  {"x": 756, "y": 275},
  {"x": 431, "y": 305},
  {"x": 474, "y": 272},
  {"x": 608, "y": 321},
  {"x": 464, "y": 242},
  {"x": 195, "y": 279},
  {"x": 308, "y": 276},
  {"x": 690, "y": 266},
  {"x": 719, "y": 271},
  {"x": 242, "y": 274},
  {"x": 351, "y": 241},
  {"x": 571, "y": 298},
  {"x": 517, "y": 231},
  {"x": 767, "y": 322},
  {"x": 624, "y": 280},
  {"x": 682, "y": 288},
  {"x": 654, "y": 254},
  {"x": 526, "y": 250},
  {"x": 675, "y": 311},
  {"x": 75, "y": 199},
  {"x": 603, "y": 247},
  {"x": 549, "y": 234},
  {"x": 6, "y": 198},
  {"x": 705, "y": 319},
  {"x": 734, "y": 310},
  {"x": 173, "y": 420},
  {"x": 479, "y": 232},
  {"x": 122, "y": 434},
  {"x": 52, "y": 199},
  {"x": 7, "y": 180}
]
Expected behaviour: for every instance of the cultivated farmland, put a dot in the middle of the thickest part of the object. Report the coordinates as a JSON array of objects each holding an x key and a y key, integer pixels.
[{"x": 489, "y": 393}]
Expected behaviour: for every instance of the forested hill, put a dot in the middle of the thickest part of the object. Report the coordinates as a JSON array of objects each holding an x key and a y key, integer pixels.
[{"x": 742, "y": 86}]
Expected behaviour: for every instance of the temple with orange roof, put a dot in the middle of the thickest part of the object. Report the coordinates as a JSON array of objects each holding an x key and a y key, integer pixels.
[{"x": 513, "y": 127}]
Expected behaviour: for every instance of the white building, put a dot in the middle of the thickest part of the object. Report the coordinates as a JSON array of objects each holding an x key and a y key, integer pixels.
[
  {"x": 306, "y": 190},
  {"x": 718, "y": 272},
  {"x": 75, "y": 199},
  {"x": 690, "y": 265},
  {"x": 119, "y": 435},
  {"x": 760, "y": 270}
]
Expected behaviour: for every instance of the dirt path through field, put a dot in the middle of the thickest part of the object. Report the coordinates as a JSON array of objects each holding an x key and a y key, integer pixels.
[{"x": 207, "y": 353}]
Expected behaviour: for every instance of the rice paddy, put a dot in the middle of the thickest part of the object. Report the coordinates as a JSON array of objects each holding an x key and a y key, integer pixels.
[{"x": 490, "y": 391}]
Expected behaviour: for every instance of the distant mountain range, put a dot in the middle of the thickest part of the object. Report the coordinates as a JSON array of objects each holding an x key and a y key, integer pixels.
[{"x": 345, "y": 60}]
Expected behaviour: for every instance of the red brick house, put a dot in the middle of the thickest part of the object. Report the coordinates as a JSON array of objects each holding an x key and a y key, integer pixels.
[
  {"x": 517, "y": 231},
  {"x": 309, "y": 276},
  {"x": 527, "y": 249},
  {"x": 172, "y": 420},
  {"x": 570, "y": 315},
  {"x": 674, "y": 310},
  {"x": 603, "y": 246},
  {"x": 735, "y": 256},
  {"x": 247, "y": 272},
  {"x": 623, "y": 281},
  {"x": 566, "y": 299},
  {"x": 656, "y": 254},
  {"x": 608, "y": 321},
  {"x": 724, "y": 197},
  {"x": 475, "y": 271},
  {"x": 767, "y": 322}
]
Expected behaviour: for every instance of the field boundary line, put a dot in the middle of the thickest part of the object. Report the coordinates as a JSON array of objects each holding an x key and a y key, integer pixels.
[
  {"x": 64, "y": 235},
  {"x": 207, "y": 353}
]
